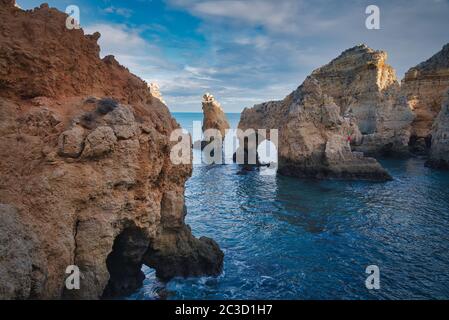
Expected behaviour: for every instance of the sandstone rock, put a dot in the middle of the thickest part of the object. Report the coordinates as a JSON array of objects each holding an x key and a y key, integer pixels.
[
  {"x": 71, "y": 142},
  {"x": 123, "y": 122},
  {"x": 101, "y": 141},
  {"x": 425, "y": 86},
  {"x": 313, "y": 136},
  {"x": 155, "y": 91},
  {"x": 10, "y": 3},
  {"x": 107, "y": 210},
  {"x": 182, "y": 256},
  {"x": 173, "y": 210},
  {"x": 214, "y": 116},
  {"x": 17, "y": 254},
  {"x": 439, "y": 152},
  {"x": 120, "y": 115},
  {"x": 366, "y": 89}
]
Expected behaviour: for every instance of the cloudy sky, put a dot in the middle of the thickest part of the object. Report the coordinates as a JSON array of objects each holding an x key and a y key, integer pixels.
[{"x": 249, "y": 51}]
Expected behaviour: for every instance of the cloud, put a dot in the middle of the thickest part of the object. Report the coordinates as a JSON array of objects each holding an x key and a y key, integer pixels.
[
  {"x": 124, "y": 12},
  {"x": 270, "y": 14},
  {"x": 268, "y": 47},
  {"x": 128, "y": 45},
  {"x": 251, "y": 51}
]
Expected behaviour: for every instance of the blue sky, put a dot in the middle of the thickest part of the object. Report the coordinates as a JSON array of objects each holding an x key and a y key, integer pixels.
[{"x": 249, "y": 51}]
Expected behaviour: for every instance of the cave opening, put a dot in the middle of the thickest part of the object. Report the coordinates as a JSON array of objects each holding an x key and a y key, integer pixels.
[
  {"x": 420, "y": 145},
  {"x": 124, "y": 263}
]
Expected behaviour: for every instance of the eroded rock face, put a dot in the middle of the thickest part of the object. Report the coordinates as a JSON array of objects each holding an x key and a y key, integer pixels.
[
  {"x": 85, "y": 181},
  {"x": 214, "y": 116},
  {"x": 439, "y": 152},
  {"x": 155, "y": 91},
  {"x": 313, "y": 136},
  {"x": 425, "y": 86},
  {"x": 365, "y": 87}
]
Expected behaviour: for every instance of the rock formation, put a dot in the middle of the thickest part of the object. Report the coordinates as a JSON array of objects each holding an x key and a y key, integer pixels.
[
  {"x": 155, "y": 91},
  {"x": 214, "y": 116},
  {"x": 86, "y": 176},
  {"x": 439, "y": 152},
  {"x": 424, "y": 87},
  {"x": 313, "y": 136},
  {"x": 366, "y": 88}
]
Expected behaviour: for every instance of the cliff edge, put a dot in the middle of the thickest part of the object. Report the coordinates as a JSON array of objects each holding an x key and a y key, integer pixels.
[
  {"x": 86, "y": 176},
  {"x": 425, "y": 86}
]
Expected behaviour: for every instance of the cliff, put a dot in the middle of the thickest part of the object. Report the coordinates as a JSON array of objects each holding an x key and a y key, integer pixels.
[
  {"x": 366, "y": 88},
  {"x": 439, "y": 152},
  {"x": 86, "y": 176},
  {"x": 313, "y": 136},
  {"x": 214, "y": 116},
  {"x": 425, "y": 86}
]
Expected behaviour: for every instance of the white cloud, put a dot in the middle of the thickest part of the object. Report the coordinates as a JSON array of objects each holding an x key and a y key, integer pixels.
[
  {"x": 124, "y": 12},
  {"x": 274, "y": 15},
  {"x": 129, "y": 47},
  {"x": 261, "y": 50}
]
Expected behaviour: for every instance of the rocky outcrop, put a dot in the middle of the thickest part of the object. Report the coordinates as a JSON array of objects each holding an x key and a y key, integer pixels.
[
  {"x": 366, "y": 88},
  {"x": 214, "y": 116},
  {"x": 424, "y": 87},
  {"x": 313, "y": 136},
  {"x": 155, "y": 91},
  {"x": 86, "y": 176},
  {"x": 439, "y": 152}
]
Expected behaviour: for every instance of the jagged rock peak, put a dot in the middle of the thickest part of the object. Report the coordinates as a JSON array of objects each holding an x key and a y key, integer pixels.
[
  {"x": 43, "y": 68},
  {"x": 214, "y": 116},
  {"x": 437, "y": 61},
  {"x": 365, "y": 87},
  {"x": 155, "y": 91},
  {"x": 360, "y": 54},
  {"x": 358, "y": 48},
  {"x": 209, "y": 98}
]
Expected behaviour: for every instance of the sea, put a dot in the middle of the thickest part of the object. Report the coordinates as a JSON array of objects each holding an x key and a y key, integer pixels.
[{"x": 287, "y": 238}]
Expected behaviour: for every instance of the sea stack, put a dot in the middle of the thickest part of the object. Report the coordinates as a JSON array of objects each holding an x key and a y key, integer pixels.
[
  {"x": 314, "y": 138},
  {"x": 214, "y": 116},
  {"x": 425, "y": 86},
  {"x": 86, "y": 178},
  {"x": 366, "y": 88}
]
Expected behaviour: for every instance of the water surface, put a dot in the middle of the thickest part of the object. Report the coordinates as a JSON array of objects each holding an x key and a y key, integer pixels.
[{"x": 285, "y": 238}]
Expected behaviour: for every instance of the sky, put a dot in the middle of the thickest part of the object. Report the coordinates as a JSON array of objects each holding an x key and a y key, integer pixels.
[{"x": 246, "y": 52}]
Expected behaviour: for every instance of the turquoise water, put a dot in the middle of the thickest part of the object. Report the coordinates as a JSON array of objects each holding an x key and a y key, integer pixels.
[{"x": 285, "y": 238}]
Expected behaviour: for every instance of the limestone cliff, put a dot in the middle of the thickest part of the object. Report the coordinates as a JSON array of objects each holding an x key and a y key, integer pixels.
[
  {"x": 313, "y": 136},
  {"x": 425, "y": 86},
  {"x": 439, "y": 152},
  {"x": 213, "y": 115},
  {"x": 365, "y": 87},
  {"x": 86, "y": 177}
]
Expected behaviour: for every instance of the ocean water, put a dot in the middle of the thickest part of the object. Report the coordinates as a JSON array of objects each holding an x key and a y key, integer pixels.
[{"x": 285, "y": 238}]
